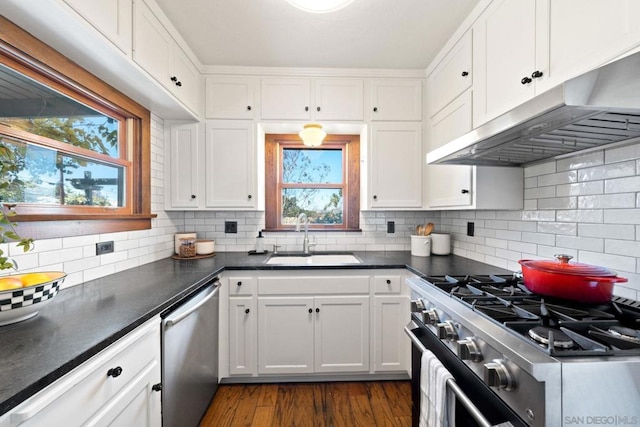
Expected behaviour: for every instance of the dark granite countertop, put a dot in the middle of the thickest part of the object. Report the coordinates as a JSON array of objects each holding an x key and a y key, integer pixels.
[{"x": 84, "y": 319}]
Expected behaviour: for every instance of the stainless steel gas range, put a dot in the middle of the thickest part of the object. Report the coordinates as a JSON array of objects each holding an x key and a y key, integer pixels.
[{"x": 493, "y": 335}]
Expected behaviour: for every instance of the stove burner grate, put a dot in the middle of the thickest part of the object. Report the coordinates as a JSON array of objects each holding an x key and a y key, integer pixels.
[{"x": 547, "y": 337}]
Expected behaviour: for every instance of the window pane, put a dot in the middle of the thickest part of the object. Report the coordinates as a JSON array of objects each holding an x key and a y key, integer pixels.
[
  {"x": 30, "y": 106},
  {"x": 311, "y": 166},
  {"x": 40, "y": 175},
  {"x": 321, "y": 205}
]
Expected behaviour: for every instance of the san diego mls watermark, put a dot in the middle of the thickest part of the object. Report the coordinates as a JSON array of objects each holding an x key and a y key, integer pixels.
[{"x": 602, "y": 420}]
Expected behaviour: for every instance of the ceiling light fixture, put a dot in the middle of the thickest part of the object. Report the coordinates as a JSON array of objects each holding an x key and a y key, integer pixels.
[
  {"x": 320, "y": 6},
  {"x": 312, "y": 135}
]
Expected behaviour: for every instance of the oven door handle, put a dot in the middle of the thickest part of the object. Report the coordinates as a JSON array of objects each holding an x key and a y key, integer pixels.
[{"x": 451, "y": 383}]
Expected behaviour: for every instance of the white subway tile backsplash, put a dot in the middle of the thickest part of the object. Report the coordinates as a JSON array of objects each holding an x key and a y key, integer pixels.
[
  {"x": 540, "y": 169},
  {"x": 564, "y": 228},
  {"x": 614, "y": 262},
  {"x": 613, "y": 170},
  {"x": 539, "y": 238},
  {"x": 586, "y": 215},
  {"x": 621, "y": 154},
  {"x": 622, "y": 247},
  {"x": 558, "y": 203},
  {"x": 558, "y": 178},
  {"x": 581, "y": 243},
  {"x": 611, "y": 231},
  {"x": 581, "y": 161},
  {"x": 622, "y": 216},
  {"x": 582, "y": 188},
  {"x": 539, "y": 192},
  {"x": 622, "y": 185},
  {"x": 607, "y": 201}
]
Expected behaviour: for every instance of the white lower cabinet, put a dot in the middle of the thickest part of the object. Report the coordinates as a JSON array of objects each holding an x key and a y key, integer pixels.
[
  {"x": 322, "y": 322},
  {"x": 115, "y": 387}
]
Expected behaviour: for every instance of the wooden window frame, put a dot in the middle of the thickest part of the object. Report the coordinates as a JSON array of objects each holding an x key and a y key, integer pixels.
[
  {"x": 22, "y": 52},
  {"x": 274, "y": 145}
]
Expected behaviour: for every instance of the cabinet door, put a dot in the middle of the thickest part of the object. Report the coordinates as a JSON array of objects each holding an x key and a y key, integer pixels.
[
  {"x": 152, "y": 44},
  {"x": 339, "y": 99},
  {"x": 450, "y": 185},
  {"x": 286, "y": 98},
  {"x": 185, "y": 150},
  {"x": 242, "y": 336},
  {"x": 395, "y": 171},
  {"x": 285, "y": 335},
  {"x": 503, "y": 54},
  {"x": 229, "y": 98},
  {"x": 573, "y": 43},
  {"x": 452, "y": 76},
  {"x": 112, "y": 18},
  {"x": 186, "y": 81},
  {"x": 230, "y": 165},
  {"x": 341, "y": 333},
  {"x": 396, "y": 100},
  {"x": 391, "y": 346}
]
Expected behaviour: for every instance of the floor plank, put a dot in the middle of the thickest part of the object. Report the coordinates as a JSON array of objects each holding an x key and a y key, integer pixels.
[{"x": 327, "y": 404}]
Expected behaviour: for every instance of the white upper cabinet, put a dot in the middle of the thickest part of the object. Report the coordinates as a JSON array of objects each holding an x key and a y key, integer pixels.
[
  {"x": 395, "y": 166},
  {"x": 452, "y": 76},
  {"x": 574, "y": 43},
  {"x": 230, "y": 97},
  {"x": 504, "y": 55},
  {"x": 396, "y": 100},
  {"x": 184, "y": 165},
  {"x": 230, "y": 165},
  {"x": 158, "y": 54},
  {"x": 307, "y": 99},
  {"x": 112, "y": 18}
]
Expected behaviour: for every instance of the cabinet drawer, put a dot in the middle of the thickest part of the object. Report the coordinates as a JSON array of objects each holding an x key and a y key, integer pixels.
[
  {"x": 386, "y": 284},
  {"x": 241, "y": 286},
  {"x": 76, "y": 397},
  {"x": 313, "y": 285}
]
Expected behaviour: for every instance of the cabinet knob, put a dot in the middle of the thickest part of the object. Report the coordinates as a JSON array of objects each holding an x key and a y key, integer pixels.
[
  {"x": 306, "y": 108},
  {"x": 193, "y": 196},
  {"x": 536, "y": 74},
  {"x": 463, "y": 191},
  {"x": 249, "y": 197},
  {"x": 248, "y": 107},
  {"x": 317, "y": 310},
  {"x": 375, "y": 197},
  {"x": 239, "y": 283},
  {"x": 156, "y": 387},
  {"x": 375, "y": 109},
  {"x": 525, "y": 80},
  {"x": 179, "y": 84},
  {"x": 464, "y": 74},
  {"x": 114, "y": 372},
  {"x": 246, "y": 311},
  {"x": 317, "y": 108},
  {"x": 174, "y": 79},
  {"x": 388, "y": 282},
  {"x": 310, "y": 310}
]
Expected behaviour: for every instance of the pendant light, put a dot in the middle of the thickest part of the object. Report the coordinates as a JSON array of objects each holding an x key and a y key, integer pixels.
[
  {"x": 312, "y": 135},
  {"x": 320, "y": 6}
]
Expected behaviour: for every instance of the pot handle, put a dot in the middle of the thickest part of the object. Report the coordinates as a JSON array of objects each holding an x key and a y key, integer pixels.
[{"x": 611, "y": 279}]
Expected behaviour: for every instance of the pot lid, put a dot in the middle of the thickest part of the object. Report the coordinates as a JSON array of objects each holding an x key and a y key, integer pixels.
[{"x": 561, "y": 265}]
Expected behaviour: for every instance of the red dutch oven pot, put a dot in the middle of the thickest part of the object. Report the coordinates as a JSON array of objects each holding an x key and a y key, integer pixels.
[{"x": 572, "y": 281}]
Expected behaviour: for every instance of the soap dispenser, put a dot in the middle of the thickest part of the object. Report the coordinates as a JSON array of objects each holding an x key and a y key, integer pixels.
[{"x": 260, "y": 243}]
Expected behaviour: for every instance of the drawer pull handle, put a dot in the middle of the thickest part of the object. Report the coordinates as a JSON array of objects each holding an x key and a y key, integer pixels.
[
  {"x": 156, "y": 387},
  {"x": 239, "y": 283},
  {"x": 114, "y": 372},
  {"x": 247, "y": 311},
  {"x": 388, "y": 282}
]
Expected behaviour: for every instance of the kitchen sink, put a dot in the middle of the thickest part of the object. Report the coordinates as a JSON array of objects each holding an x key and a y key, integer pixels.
[{"x": 313, "y": 259}]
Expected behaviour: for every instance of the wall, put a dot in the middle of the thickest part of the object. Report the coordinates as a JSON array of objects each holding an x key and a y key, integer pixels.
[{"x": 587, "y": 206}]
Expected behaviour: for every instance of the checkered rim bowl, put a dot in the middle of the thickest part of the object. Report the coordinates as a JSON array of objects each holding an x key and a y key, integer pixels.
[{"x": 22, "y": 297}]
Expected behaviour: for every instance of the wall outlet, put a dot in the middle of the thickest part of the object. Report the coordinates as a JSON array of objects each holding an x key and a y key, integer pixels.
[
  {"x": 231, "y": 227},
  {"x": 391, "y": 227},
  {"x": 104, "y": 248},
  {"x": 470, "y": 228}
]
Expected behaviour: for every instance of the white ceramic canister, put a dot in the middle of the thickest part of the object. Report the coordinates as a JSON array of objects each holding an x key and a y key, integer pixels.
[
  {"x": 440, "y": 243},
  {"x": 205, "y": 247},
  {"x": 179, "y": 236},
  {"x": 420, "y": 245}
]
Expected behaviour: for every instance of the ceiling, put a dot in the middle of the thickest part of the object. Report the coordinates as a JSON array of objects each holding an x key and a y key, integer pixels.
[{"x": 398, "y": 34}]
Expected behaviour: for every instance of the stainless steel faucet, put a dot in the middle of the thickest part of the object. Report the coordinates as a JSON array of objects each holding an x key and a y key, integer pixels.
[{"x": 305, "y": 242}]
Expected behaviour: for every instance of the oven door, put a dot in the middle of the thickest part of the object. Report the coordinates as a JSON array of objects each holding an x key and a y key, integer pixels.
[{"x": 476, "y": 403}]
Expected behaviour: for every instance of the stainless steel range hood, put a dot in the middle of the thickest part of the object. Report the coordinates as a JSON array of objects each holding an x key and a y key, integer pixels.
[{"x": 599, "y": 107}]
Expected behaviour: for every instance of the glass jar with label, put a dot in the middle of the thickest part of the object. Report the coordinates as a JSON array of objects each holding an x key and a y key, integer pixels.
[{"x": 187, "y": 247}]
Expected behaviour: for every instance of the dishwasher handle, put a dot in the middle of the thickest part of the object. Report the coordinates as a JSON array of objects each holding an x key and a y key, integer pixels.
[{"x": 174, "y": 321}]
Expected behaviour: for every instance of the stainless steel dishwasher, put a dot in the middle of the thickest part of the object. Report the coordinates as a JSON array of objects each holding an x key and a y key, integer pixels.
[{"x": 190, "y": 358}]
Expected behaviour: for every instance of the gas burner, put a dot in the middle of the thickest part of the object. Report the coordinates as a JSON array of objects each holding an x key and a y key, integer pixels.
[
  {"x": 623, "y": 332},
  {"x": 542, "y": 334}
]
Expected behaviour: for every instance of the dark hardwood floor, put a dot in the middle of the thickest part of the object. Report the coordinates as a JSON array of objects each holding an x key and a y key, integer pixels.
[{"x": 380, "y": 403}]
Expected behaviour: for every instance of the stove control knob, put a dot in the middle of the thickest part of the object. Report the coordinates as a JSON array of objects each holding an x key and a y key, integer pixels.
[
  {"x": 468, "y": 350},
  {"x": 430, "y": 316},
  {"x": 417, "y": 305},
  {"x": 447, "y": 331},
  {"x": 496, "y": 374}
]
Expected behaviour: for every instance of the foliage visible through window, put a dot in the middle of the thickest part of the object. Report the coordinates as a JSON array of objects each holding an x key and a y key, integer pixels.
[
  {"x": 321, "y": 182},
  {"x": 63, "y": 152}
]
